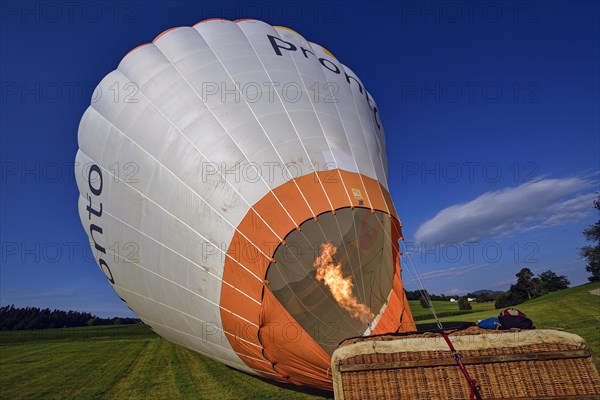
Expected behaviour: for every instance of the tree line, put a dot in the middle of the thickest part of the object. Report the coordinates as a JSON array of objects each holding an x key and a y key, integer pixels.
[
  {"x": 526, "y": 288},
  {"x": 480, "y": 296},
  {"x": 417, "y": 294},
  {"x": 15, "y": 318},
  {"x": 529, "y": 287},
  {"x": 592, "y": 252}
]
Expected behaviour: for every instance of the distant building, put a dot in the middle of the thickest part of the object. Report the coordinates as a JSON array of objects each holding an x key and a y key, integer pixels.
[{"x": 453, "y": 300}]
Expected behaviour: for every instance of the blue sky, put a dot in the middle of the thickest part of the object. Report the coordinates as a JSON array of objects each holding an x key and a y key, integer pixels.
[{"x": 491, "y": 113}]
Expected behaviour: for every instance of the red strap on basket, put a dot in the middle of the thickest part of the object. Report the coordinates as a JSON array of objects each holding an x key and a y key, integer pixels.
[{"x": 474, "y": 391}]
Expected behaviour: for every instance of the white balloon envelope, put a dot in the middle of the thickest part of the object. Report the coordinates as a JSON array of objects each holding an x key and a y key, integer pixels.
[{"x": 233, "y": 185}]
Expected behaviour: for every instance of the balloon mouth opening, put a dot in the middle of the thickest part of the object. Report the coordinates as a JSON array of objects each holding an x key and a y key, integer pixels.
[{"x": 334, "y": 275}]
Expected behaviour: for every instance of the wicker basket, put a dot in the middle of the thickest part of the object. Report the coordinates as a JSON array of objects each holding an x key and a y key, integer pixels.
[{"x": 534, "y": 364}]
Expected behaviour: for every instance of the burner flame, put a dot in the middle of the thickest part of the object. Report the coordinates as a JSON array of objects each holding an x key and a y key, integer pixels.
[{"x": 329, "y": 272}]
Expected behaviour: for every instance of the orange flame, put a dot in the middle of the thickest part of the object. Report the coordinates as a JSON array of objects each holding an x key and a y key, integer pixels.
[{"x": 329, "y": 272}]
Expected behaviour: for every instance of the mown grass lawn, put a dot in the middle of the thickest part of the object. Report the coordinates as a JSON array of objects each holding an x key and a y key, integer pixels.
[
  {"x": 121, "y": 362},
  {"x": 131, "y": 362}
]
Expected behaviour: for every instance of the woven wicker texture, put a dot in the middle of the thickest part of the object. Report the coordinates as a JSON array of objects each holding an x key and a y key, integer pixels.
[{"x": 525, "y": 379}]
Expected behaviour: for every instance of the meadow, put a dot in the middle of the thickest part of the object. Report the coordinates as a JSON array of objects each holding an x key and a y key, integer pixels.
[
  {"x": 120, "y": 362},
  {"x": 446, "y": 309},
  {"x": 574, "y": 310},
  {"x": 131, "y": 362}
]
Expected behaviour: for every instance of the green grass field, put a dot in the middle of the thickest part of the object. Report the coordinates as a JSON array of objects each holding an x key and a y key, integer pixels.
[
  {"x": 120, "y": 362},
  {"x": 131, "y": 362},
  {"x": 445, "y": 308}
]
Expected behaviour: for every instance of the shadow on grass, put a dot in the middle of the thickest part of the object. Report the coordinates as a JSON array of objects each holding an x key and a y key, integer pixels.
[
  {"x": 300, "y": 389},
  {"x": 447, "y": 325}
]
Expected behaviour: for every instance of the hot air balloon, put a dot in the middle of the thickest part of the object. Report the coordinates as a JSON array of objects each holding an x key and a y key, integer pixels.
[{"x": 233, "y": 186}]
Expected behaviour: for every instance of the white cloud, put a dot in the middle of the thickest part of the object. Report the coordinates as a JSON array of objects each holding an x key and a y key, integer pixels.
[
  {"x": 571, "y": 210},
  {"x": 532, "y": 205}
]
